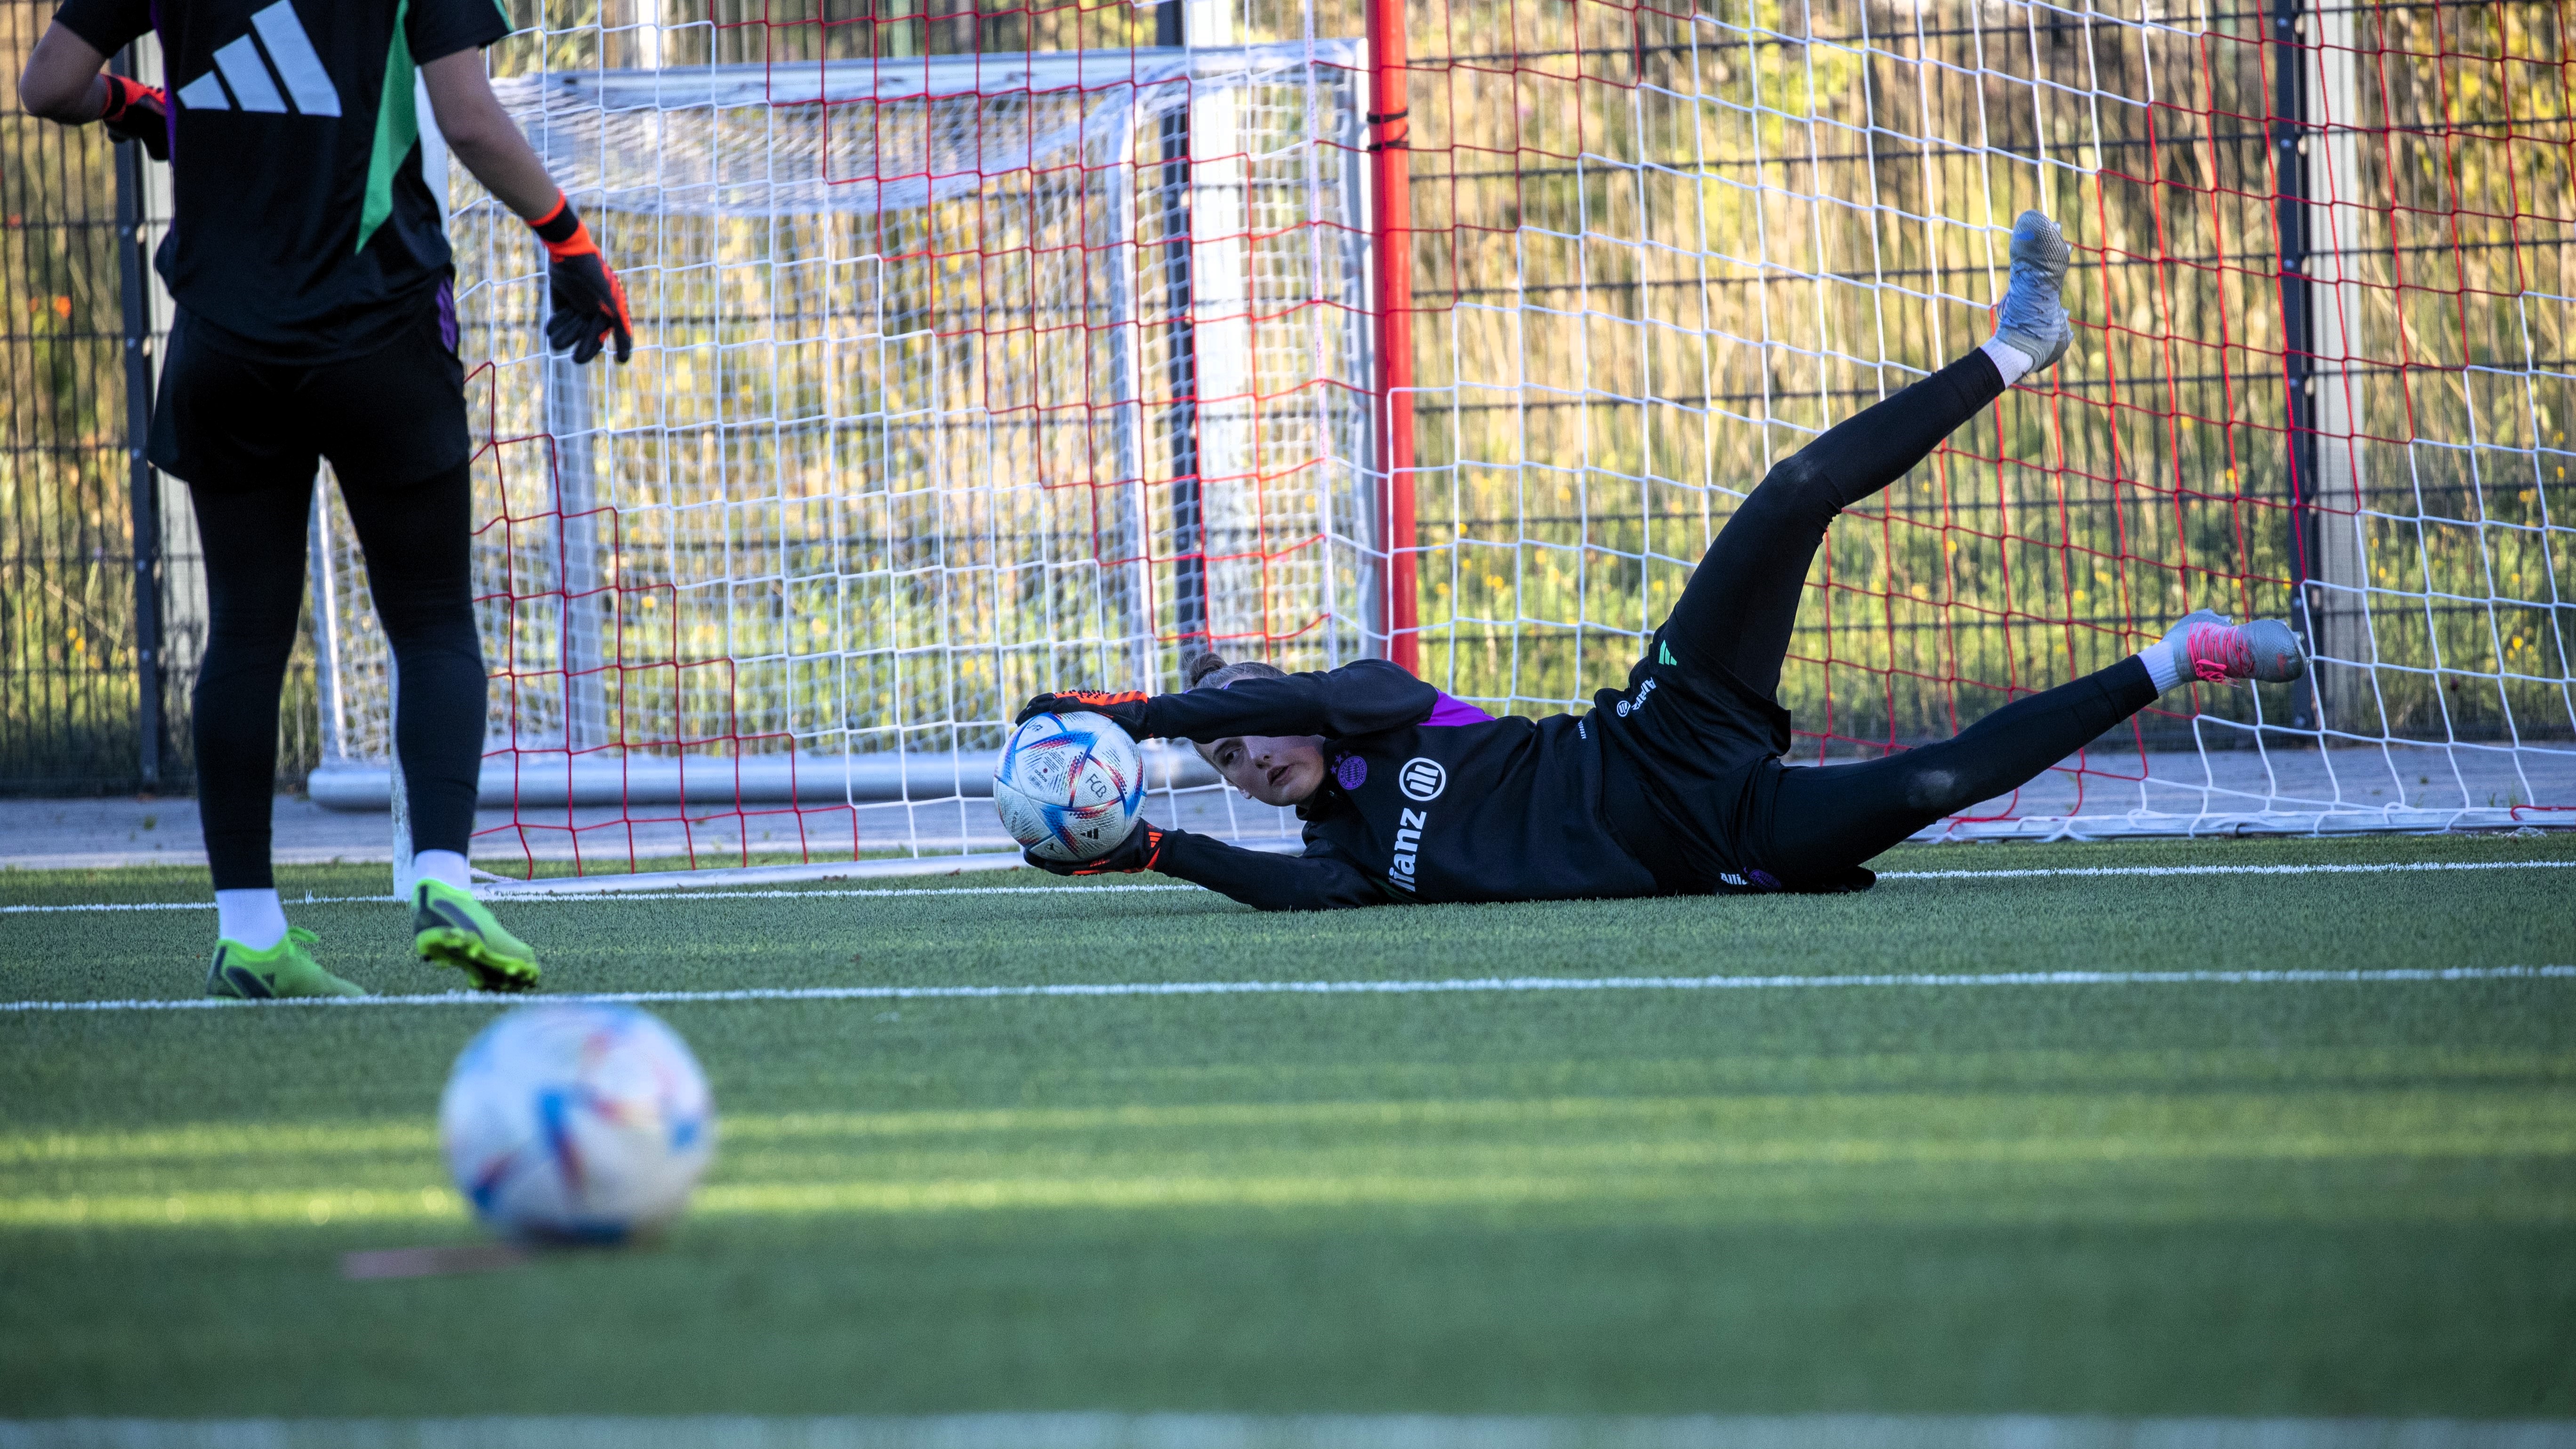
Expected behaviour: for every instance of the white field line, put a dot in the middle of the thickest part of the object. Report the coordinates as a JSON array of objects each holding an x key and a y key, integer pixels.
[
  {"x": 2071, "y": 872},
  {"x": 1229, "y": 1431},
  {"x": 1455, "y": 985},
  {"x": 593, "y": 898}
]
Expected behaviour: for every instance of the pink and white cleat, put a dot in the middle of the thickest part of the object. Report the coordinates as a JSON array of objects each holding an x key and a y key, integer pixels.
[{"x": 2208, "y": 648}]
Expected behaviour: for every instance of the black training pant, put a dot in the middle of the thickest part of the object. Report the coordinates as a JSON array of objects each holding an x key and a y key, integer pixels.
[
  {"x": 247, "y": 435},
  {"x": 1815, "y": 824}
]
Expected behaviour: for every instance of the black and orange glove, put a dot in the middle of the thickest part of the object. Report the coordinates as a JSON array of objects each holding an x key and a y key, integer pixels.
[
  {"x": 1127, "y": 707},
  {"x": 590, "y": 306},
  {"x": 1141, "y": 850},
  {"x": 137, "y": 112}
]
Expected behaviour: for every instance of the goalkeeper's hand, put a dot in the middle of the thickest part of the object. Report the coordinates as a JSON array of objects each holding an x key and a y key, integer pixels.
[
  {"x": 1139, "y": 851},
  {"x": 136, "y": 112},
  {"x": 590, "y": 305},
  {"x": 1126, "y": 707}
]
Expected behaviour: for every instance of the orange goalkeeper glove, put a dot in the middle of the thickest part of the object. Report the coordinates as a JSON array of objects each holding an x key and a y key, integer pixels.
[
  {"x": 1141, "y": 850},
  {"x": 590, "y": 305},
  {"x": 1127, "y": 707},
  {"x": 136, "y": 112}
]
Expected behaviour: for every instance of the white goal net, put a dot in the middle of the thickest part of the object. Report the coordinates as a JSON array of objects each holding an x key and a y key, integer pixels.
[{"x": 1003, "y": 349}]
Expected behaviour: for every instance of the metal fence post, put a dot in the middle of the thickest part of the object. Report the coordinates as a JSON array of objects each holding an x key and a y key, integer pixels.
[
  {"x": 2298, "y": 355},
  {"x": 142, "y": 484}
]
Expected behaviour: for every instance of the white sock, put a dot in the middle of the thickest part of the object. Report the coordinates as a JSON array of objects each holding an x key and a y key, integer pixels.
[
  {"x": 253, "y": 918},
  {"x": 2009, "y": 360},
  {"x": 443, "y": 866},
  {"x": 2162, "y": 666}
]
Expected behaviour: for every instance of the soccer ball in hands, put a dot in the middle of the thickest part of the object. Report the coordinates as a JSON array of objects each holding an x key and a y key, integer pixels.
[
  {"x": 1069, "y": 785},
  {"x": 580, "y": 1124}
]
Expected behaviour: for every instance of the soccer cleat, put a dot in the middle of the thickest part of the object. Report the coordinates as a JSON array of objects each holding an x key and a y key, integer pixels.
[
  {"x": 2208, "y": 648},
  {"x": 285, "y": 969},
  {"x": 2032, "y": 320},
  {"x": 454, "y": 929}
]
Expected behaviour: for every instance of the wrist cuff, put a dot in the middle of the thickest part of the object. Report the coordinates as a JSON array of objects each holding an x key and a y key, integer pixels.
[
  {"x": 121, "y": 94},
  {"x": 559, "y": 225}
]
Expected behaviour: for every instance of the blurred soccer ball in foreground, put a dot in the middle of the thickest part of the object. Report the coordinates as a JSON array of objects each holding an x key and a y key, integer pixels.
[
  {"x": 1069, "y": 785},
  {"x": 584, "y": 1124}
]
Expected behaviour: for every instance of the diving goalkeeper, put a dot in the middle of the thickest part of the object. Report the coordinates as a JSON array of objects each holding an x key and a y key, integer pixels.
[
  {"x": 317, "y": 319},
  {"x": 1673, "y": 785}
]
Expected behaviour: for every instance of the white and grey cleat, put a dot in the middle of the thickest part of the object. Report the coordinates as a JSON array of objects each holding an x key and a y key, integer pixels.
[
  {"x": 2208, "y": 648},
  {"x": 2032, "y": 319}
]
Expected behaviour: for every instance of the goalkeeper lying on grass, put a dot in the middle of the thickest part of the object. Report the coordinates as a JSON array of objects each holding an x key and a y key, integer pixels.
[{"x": 1673, "y": 785}]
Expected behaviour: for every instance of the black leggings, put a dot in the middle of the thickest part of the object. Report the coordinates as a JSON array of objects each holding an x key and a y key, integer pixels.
[
  {"x": 1743, "y": 600},
  {"x": 417, "y": 538}
]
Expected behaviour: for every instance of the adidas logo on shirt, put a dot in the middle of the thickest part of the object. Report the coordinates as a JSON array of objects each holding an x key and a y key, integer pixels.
[{"x": 243, "y": 80}]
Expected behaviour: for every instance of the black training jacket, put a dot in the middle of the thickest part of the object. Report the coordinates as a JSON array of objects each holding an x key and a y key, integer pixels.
[
  {"x": 303, "y": 229},
  {"x": 1428, "y": 798}
]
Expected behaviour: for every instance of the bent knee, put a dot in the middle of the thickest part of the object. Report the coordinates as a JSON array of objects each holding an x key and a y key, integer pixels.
[{"x": 1797, "y": 485}]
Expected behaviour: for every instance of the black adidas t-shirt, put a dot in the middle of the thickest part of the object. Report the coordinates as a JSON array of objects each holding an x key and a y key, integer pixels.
[{"x": 303, "y": 230}]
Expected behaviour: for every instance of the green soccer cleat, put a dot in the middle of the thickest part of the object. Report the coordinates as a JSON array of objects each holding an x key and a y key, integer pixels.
[
  {"x": 285, "y": 969},
  {"x": 454, "y": 929}
]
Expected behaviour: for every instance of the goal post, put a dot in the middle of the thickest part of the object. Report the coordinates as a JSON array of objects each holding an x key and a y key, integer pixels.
[
  {"x": 902, "y": 443},
  {"x": 1451, "y": 332}
]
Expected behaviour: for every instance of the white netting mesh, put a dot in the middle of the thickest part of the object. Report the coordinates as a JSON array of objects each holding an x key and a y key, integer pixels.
[
  {"x": 969, "y": 374},
  {"x": 926, "y": 353}
]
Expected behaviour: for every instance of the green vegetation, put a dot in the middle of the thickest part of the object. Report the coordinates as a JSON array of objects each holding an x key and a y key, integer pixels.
[{"x": 2183, "y": 1199}]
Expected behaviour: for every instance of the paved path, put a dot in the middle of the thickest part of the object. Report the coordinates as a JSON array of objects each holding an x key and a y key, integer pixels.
[{"x": 71, "y": 834}]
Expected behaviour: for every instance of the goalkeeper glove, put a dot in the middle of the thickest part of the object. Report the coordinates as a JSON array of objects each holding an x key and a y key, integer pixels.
[
  {"x": 138, "y": 113},
  {"x": 590, "y": 306},
  {"x": 1139, "y": 851},
  {"x": 1127, "y": 707}
]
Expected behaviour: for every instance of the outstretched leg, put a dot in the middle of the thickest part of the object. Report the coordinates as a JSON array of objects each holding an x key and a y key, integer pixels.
[
  {"x": 1740, "y": 605},
  {"x": 1833, "y": 817}
]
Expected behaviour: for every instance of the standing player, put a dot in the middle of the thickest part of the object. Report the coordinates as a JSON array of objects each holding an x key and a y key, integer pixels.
[
  {"x": 1675, "y": 784},
  {"x": 316, "y": 319}
]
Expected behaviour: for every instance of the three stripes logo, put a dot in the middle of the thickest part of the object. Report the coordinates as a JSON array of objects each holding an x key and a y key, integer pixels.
[{"x": 245, "y": 79}]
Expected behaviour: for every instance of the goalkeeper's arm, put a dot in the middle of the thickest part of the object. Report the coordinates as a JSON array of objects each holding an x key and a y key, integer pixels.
[
  {"x": 63, "y": 82},
  {"x": 1359, "y": 698},
  {"x": 1314, "y": 882},
  {"x": 589, "y": 302}
]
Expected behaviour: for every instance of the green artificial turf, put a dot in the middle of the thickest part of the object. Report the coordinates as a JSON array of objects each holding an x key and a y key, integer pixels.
[{"x": 2187, "y": 1199}]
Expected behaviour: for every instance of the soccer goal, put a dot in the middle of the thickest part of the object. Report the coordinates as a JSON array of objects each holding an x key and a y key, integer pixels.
[{"x": 987, "y": 350}]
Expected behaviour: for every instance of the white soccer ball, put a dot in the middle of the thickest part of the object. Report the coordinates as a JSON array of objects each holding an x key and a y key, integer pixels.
[
  {"x": 584, "y": 1124},
  {"x": 1069, "y": 785}
]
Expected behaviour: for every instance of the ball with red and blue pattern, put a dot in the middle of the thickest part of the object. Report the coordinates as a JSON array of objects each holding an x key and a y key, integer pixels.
[{"x": 1068, "y": 786}]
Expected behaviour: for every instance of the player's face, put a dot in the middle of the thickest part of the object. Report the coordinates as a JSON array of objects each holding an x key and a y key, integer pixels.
[{"x": 1273, "y": 769}]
